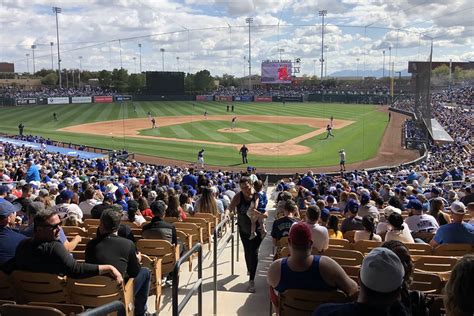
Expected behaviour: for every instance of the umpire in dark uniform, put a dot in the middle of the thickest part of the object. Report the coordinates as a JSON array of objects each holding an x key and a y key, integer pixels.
[{"x": 243, "y": 151}]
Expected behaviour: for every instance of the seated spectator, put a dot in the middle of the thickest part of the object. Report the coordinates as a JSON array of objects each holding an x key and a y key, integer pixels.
[
  {"x": 367, "y": 209},
  {"x": 45, "y": 253},
  {"x": 109, "y": 248},
  {"x": 417, "y": 221},
  {"x": 144, "y": 207},
  {"x": 208, "y": 203},
  {"x": 333, "y": 228},
  {"x": 319, "y": 233},
  {"x": 281, "y": 227},
  {"x": 281, "y": 200},
  {"x": 158, "y": 228},
  {"x": 65, "y": 207},
  {"x": 89, "y": 202},
  {"x": 96, "y": 211},
  {"x": 398, "y": 230},
  {"x": 303, "y": 271},
  {"x": 369, "y": 230},
  {"x": 460, "y": 288},
  {"x": 352, "y": 221},
  {"x": 382, "y": 226},
  {"x": 414, "y": 301},
  {"x": 437, "y": 208},
  {"x": 174, "y": 210},
  {"x": 9, "y": 237},
  {"x": 381, "y": 281},
  {"x": 134, "y": 214},
  {"x": 456, "y": 232}
]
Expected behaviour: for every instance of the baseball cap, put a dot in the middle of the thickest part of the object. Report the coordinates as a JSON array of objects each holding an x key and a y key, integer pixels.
[
  {"x": 458, "y": 208},
  {"x": 415, "y": 204},
  {"x": 66, "y": 195},
  {"x": 4, "y": 189},
  {"x": 382, "y": 271},
  {"x": 365, "y": 198},
  {"x": 435, "y": 190},
  {"x": 6, "y": 208},
  {"x": 389, "y": 210},
  {"x": 352, "y": 206},
  {"x": 158, "y": 207},
  {"x": 300, "y": 235}
]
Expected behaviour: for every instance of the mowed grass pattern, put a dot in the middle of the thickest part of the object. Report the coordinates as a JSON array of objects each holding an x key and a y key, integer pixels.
[
  {"x": 208, "y": 130},
  {"x": 360, "y": 140}
]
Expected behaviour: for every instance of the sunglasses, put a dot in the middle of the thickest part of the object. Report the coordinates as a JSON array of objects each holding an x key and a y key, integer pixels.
[{"x": 52, "y": 227}]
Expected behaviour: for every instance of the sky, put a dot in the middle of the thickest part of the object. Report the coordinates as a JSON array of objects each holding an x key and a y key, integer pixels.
[{"x": 214, "y": 35}]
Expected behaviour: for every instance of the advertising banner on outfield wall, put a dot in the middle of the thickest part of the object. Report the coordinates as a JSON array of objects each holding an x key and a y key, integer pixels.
[
  {"x": 119, "y": 98},
  {"x": 204, "y": 98},
  {"x": 244, "y": 98},
  {"x": 262, "y": 99},
  {"x": 81, "y": 99},
  {"x": 58, "y": 100},
  {"x": 23, "y": 101},
  {"x": 227, "y": 98},
  {"x": 103, "y": 99}
]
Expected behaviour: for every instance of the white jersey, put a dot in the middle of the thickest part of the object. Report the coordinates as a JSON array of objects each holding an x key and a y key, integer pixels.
[{"x": 342, "y": 156}]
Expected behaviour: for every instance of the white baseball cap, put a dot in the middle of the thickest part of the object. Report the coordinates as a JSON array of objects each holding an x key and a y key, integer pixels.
[{"x": 382, "y": 271}]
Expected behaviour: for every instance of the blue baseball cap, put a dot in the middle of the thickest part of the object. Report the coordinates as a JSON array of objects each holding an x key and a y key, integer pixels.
[
  {"x": 352, "y": 206},
  {"x": 415, "y": 204},
  {"x": 365, "y": 198},
  {"x": 4, "y": 189},
  {"x": 66, "y": 195},
  {"x": 6, "y": 208}
]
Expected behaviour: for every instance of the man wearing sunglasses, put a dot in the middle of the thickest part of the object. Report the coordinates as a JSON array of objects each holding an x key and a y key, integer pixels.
[{"x": 45, "y": 253}]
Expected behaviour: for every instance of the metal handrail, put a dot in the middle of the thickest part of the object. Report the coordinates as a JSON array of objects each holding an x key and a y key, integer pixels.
[
  {"x": 115, "y": 306},
  {"x": 216, "y": 255},
  {"x": 178, "y": 307}
]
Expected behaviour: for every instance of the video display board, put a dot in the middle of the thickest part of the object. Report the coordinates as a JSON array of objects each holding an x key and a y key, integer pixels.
[{"x": 276, "y": 72}]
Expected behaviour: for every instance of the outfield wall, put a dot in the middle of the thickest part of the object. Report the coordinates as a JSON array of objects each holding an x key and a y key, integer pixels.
[{"x": 313, "y": 97}]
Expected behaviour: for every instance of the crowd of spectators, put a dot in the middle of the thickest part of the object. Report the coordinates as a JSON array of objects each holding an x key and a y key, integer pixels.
[
  {"x": 54, "y": 92},
  {"x": 47, "y": 189}
]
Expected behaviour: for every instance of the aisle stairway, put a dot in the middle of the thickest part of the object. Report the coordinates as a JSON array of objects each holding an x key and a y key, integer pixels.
[{"x": 232, "y": 295}]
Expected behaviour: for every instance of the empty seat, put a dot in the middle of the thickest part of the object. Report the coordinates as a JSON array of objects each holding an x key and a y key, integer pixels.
[
  {"x": 28, "y": 310},
  {"x": 39, "y": 287},
  {"x": 161, "y": 249},
  {"x": 455, "y": 250},
  {"x": 365, "y": 246},
  {"x": 335, "y": 243},
  {"x": 345, "y": 257},
  {"x": 426, "y": 282},
  {"x": 435, "y": 263}
]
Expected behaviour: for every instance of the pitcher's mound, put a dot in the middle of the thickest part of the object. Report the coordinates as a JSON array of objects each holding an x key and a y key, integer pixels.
[
  {"x": 275, "y": 149},
  {"x": 233, "y": 130}
]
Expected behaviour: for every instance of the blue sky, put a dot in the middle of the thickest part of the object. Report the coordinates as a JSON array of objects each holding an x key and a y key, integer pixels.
[{"x": 196, "y": 34}]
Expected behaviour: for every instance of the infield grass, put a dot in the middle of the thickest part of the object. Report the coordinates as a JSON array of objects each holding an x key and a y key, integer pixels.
[{"x": 360, "y": 140}]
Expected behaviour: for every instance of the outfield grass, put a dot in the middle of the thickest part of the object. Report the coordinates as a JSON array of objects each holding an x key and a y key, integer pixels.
[
  {"x": 208, "y": 130},
  {"x": 360, "y": 140}
]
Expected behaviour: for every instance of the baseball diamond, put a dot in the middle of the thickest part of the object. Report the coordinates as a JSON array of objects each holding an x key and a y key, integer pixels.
[{"x": 278, "y": 137}]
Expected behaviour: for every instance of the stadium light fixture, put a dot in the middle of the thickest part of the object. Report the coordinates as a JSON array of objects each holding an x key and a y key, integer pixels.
[
  {"x": 383, "y": 64},
  {"x": 140, "y": 49},
  {"x": 57, "y": 10},
  {"x": 80, "y": 70},
  {"x": 249, "y": 21},
  {"x": 245, "y": 64},
  {"x": 27, "y": 62},
  {"x": 33, "y": 47},
  {"x": 357, "y": 76},
  {"x": 52, "y": 61},
  {"x": 162, "y": 50},
  {"x": 322, "y": 14}
]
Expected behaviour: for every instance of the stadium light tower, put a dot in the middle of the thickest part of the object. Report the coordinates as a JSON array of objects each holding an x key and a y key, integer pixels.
[
  {"x": 80, "y": 70},
  {"x": 250, "y": 21},
  {"x": 33, "y": 47},
  {"x": 52, "y": 61},
  {"x": 326, "y": 64},
  {"x": 140, "y": 49},
  {"x": 162, "y": 50},
  {"x": 245, "y": 64},
  {"x": 383, "y": 64},
  {"x": 177, "y": 61},
  {"x": 322, "y": 14},
  {"x": 27, "y": 62},
  {"x": 357, "y": 76},
  {"x": 314, "y": 61},
  {"x": 57, "y": 10}
]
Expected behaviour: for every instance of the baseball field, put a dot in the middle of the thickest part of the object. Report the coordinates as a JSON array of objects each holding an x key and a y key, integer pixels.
[{"x": 278, "y": 136}]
